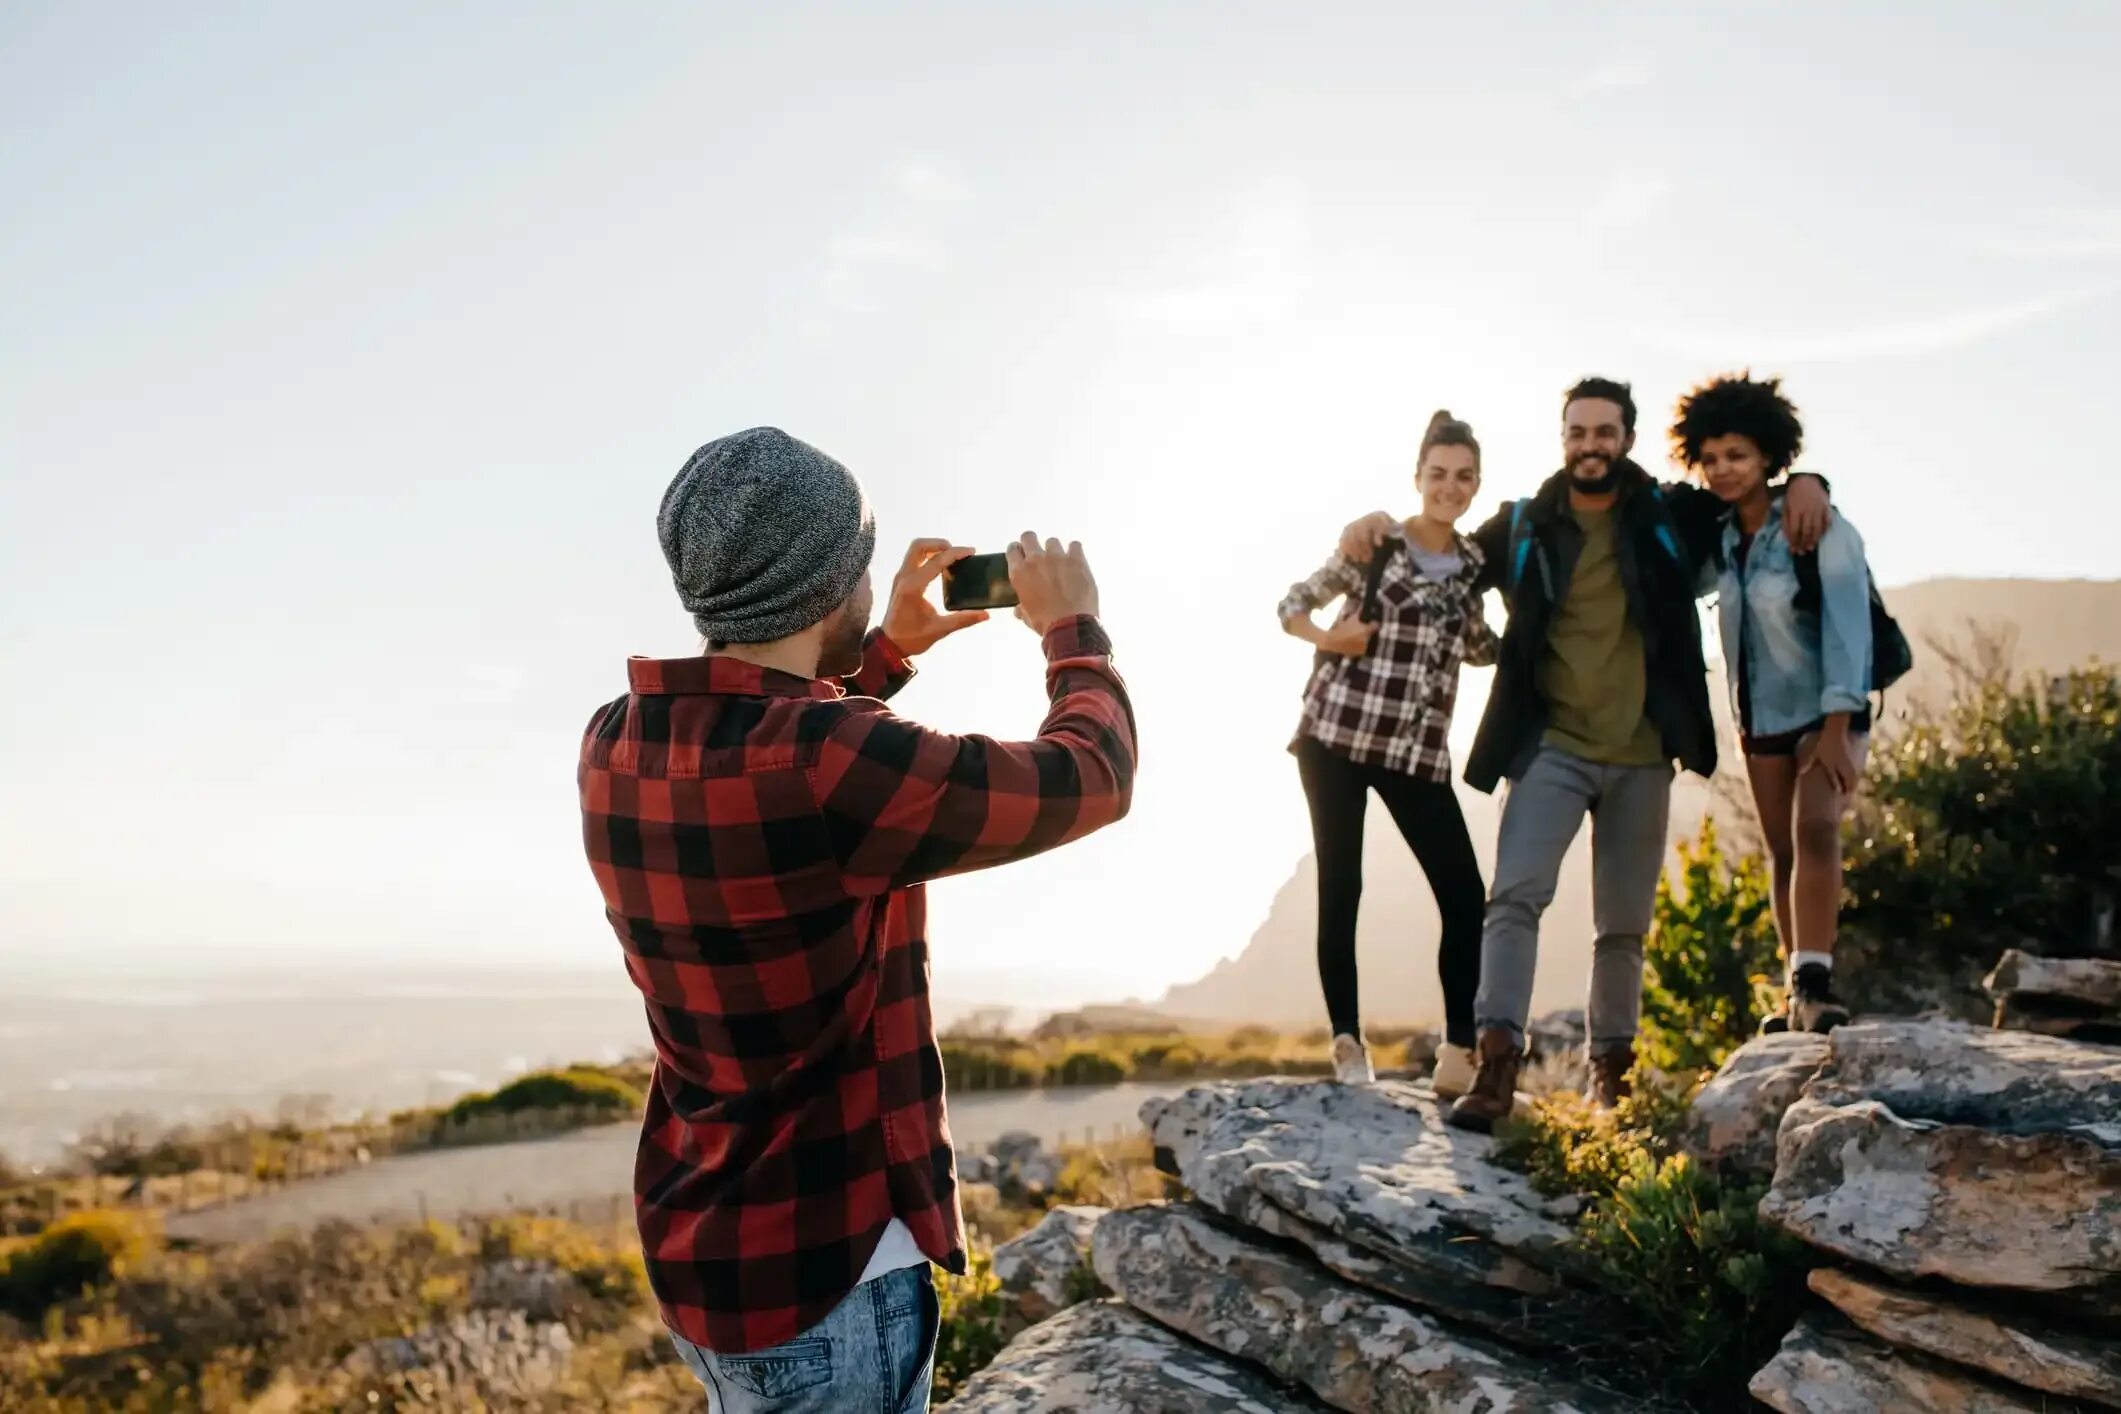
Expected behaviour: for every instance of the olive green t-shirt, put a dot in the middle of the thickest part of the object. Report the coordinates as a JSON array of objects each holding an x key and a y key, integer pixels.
[{"x": 1591, "y": 668}]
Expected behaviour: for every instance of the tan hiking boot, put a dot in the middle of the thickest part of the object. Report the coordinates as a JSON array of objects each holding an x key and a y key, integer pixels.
[
  {"x": 1494, "y": 1090},
  {"x": 1351, "y": 1061},
  {"x": 1609, "y": 1077},
  {"x": 1454, "y": 1071}
]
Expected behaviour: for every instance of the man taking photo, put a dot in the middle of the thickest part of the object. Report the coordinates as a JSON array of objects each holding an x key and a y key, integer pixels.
[{"x": 761, "y": 827}]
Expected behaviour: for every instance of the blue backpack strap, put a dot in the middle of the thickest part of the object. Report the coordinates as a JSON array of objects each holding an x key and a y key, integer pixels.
[
  {"x": 1520, "y": 540},
  {"x": 1664, "y": 525}
]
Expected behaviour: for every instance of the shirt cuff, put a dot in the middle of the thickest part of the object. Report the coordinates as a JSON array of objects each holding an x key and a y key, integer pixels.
[
  {"x": 894, "y": 658},
  {"x": 1081, "y": 636}
]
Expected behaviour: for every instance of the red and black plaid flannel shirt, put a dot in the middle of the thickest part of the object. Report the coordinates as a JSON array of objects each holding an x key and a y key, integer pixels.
[{"x": 761, "y": 842}]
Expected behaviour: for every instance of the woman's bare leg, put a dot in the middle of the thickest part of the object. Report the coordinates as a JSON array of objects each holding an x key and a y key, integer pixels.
[{"x": 1774, "y": 780}]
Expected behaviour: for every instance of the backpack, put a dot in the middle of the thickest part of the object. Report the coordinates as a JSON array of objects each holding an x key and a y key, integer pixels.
[
  {"x": 1891, "y": 656},
  {"x": 1521, "y": 538},
  {"x": 1373, "y": 576}
]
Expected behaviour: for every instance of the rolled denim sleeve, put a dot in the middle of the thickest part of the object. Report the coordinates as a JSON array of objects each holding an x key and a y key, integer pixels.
[{"x": 1844, "y": 620}]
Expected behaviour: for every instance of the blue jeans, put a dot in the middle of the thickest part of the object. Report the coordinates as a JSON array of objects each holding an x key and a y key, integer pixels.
[{"x": 873, "y": 1354}]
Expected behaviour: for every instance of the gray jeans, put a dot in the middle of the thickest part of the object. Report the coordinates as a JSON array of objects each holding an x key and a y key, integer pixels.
[{"x": 1629, "y": 808}]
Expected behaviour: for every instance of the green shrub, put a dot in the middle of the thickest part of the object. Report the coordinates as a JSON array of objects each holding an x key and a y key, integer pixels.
[
  {"x": 1712, "y": 965},
  {"x": 1700, "y": 1290},
  {"x": 2002, "y": 806},
  {"x": 1087, "y": 1067},
  {"x": 974, "y": 1324},
  {"x": 551, "y": 1090},
  {"x": 975, "y": 1066},
  {"x": 73, "y": 1255}
]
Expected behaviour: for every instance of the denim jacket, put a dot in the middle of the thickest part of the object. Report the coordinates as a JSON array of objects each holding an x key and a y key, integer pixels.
[{"x": 1800, "y": 666}]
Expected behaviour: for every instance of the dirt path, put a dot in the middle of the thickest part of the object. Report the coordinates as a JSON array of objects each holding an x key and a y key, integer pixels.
[{"x": 584, "y": 1171}]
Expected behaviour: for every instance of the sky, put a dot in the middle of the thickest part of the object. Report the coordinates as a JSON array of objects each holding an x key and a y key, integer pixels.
[{"x": 347, "y": 350}]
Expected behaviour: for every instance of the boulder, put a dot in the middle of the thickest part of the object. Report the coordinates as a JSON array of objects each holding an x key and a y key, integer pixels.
[
  {"x": 1371, "y": 1180},
  {"x": 1046, "y": 1269},
  {"x": 1352, "y": 1347},
  {"x": 1102, "y": 1358},
  {"x": 1823, "y": 1371},
  {"x": 1733, "y": 1120},
  {"x": 474, "y": 1359},
  {"x": 1915, "y": 1198},
  {"x": 2006, "y": 1081},
  {"x": 2007, "y": 1344},
  {"x": 2094, "y": 983}
]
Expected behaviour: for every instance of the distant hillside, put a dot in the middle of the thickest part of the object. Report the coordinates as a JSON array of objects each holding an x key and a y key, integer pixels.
[{"x": 2051, "y": 625}]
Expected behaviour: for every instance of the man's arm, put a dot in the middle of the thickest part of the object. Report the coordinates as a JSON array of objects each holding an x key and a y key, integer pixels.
[{"x": 906, "y": 804}]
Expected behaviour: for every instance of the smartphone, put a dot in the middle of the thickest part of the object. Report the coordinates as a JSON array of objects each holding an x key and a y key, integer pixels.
[{"x": 979, "y": 582}]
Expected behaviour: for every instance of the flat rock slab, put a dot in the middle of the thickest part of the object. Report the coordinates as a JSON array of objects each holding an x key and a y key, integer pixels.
[
  {"x": 2087, "y": 981},
  {"x": 1733, "y": 1120},
  {"x": 1370, "y": 1178},
  {"x": 2042, "y": 1358},
  {"x": 2011, "y": 1082},
  {"x": 1102, "y": 1358},
  {"x": 1043, "y": 1271},
  {"x": 1819, "y": 1371},
  {"x": 2038, "y": 1212},
  {"x": 1355, "y": 1349}
]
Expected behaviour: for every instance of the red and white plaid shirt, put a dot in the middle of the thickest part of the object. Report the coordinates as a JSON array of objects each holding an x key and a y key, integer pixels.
[
  {"x": 761, "y": 841},
  {"x": 1392, "y": 706}
]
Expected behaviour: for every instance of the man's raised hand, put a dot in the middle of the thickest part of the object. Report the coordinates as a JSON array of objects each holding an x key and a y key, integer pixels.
[
  {"x": 1052, "y": 582},
  {"x": 911, "y": 619}
]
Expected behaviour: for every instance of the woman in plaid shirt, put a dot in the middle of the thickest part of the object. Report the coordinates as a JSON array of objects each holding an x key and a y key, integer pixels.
[{"x": 1376, "y": 716}]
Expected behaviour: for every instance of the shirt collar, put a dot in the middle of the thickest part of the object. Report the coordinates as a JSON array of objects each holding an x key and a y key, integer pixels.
[{"x": 717, "y": 676}]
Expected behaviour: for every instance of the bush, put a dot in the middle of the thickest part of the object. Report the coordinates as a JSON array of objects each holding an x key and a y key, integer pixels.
[
  {"x": 974, "y": 1324},
  {"x": 1712, "y": 963},
  {"x": 551, "y": 1090},
  {"x": 73, "y": 1255},
  {"x": 2003, "y": 806},
  {"x": 976, "y": 1066},
  {"x": 1701, "y": 1290},
  {"x": 1087, "y": 1067}
]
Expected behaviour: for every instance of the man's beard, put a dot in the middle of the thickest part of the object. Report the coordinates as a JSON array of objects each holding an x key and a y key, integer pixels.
[
  {"x": 1603, "y": 484},
  {"x": 841, "y": 653}
]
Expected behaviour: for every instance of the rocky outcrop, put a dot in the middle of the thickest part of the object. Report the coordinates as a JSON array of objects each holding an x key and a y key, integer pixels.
[
  {"x": 1047, "y": 1269},
  {"x": 2078, "y": 997},
  {"x": 1354, "y": 1348},
  {"x": 1985, "y": 1167},
  {"x": 1734, "y": 1119},
  {"x": 1381, "y": 1192},
  {"x": 476, "y": 1358},
  {"x": 1987, "y": 1158},
  {"x": 1998, "y": 1341},
  {"x": 1102, "y": 1357},
  {"x": 1016, "y": 1165},
  {"x": 1823, "y": 1371}
]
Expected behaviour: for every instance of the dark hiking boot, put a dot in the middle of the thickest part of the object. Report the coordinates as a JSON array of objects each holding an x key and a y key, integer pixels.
[
  {"x": 1494, "y": 1090},
  {"x": 1609, "y": 1076},
  {"x": 1813, "y": 1005}
]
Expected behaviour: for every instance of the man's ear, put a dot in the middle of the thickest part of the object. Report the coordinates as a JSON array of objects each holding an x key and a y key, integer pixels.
[{"x": 1627, "y": 444}]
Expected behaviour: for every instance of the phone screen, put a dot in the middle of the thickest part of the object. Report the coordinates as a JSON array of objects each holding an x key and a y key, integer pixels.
[{"x": 979, "y": 582}]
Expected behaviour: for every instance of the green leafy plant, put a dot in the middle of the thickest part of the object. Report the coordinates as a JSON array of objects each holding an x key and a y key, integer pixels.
[
  {"x": 580, "y": 1089},
  {"x": 73, "y": 1255},
  {"x": 1088, "y": 1067},
  {"x": 1999, "y": 810},
  {"x": 1701, "y": 1291},
  {"x": 1711, "y": 960},
  {"x": 974, "y": 1324}
]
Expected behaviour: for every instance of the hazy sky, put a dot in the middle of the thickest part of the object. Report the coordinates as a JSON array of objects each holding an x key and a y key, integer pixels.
[{"x": 346, "y": 351}]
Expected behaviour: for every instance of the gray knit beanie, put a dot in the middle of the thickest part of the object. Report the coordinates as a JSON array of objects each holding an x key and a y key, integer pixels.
[{"x": 765, "y": 536}]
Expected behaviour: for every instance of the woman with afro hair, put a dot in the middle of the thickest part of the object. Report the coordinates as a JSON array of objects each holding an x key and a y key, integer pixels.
[{"x": 1797, "y": 649}]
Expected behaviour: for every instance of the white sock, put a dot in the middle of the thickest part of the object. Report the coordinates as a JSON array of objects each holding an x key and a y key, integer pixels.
[{"x": 1800, "y": 960}]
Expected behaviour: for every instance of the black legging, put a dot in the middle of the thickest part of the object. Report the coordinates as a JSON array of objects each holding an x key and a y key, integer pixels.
[{"x": 1428, "y": 817}]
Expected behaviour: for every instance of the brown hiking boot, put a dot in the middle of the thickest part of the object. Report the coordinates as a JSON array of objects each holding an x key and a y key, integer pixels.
[
  {"x": 1609, "y": 1077},
  {"x": 1494, "y": 1091}
]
